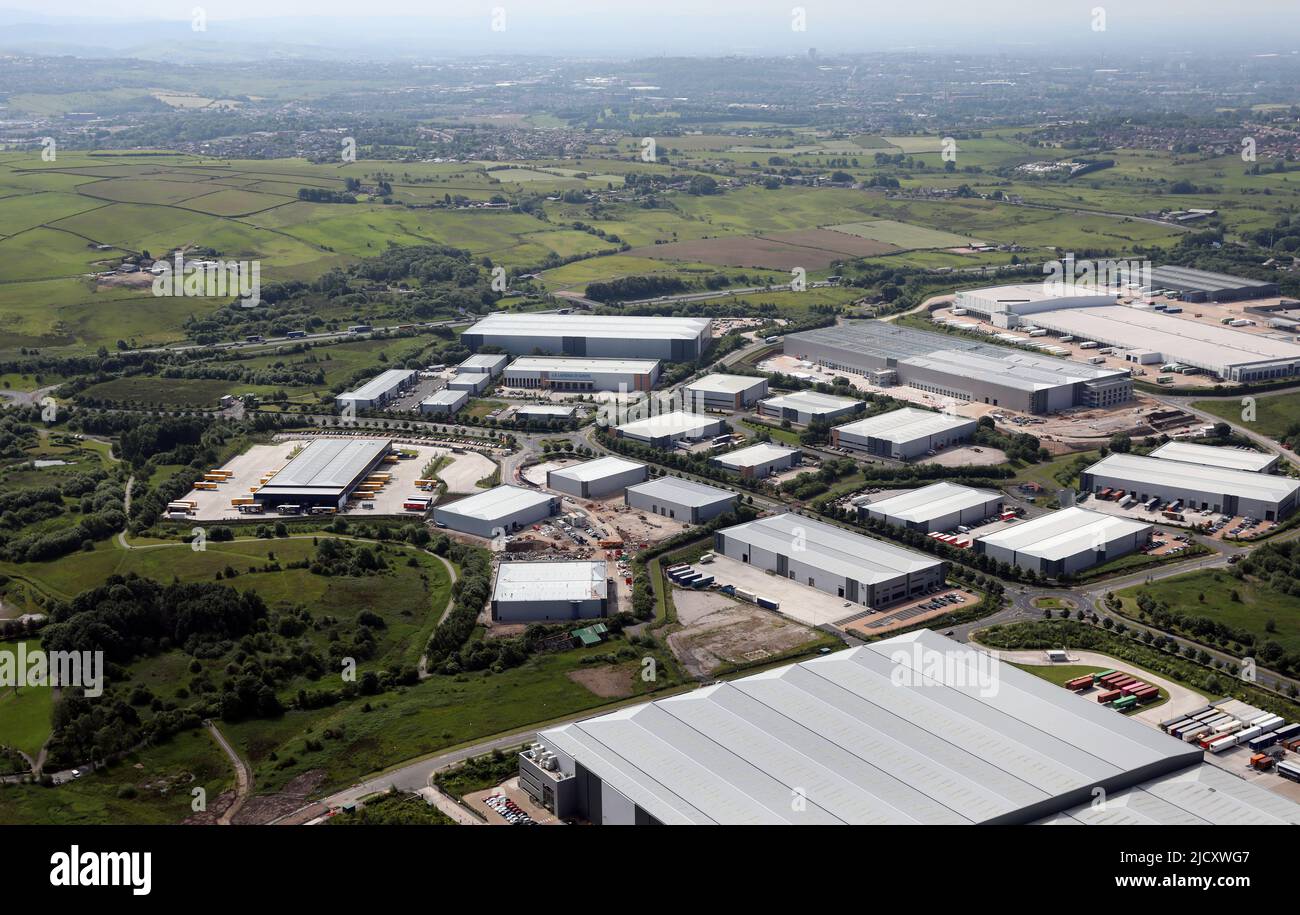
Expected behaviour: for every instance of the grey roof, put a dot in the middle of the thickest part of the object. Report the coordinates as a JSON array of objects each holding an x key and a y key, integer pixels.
[
  {"x": 810, "y": 402},
  {"x": 681, "y": 492},
  {"x": 831, "y": 548},
  {"x": 761, "y": 453},
  {"x": 719, "y": 383},
  {"x": 913, "y": 729},
  {"x": 1063, "y": 533},
  {"x": 498, "y": 502},
  {"x": 677, "y": 423},
  {"x": 544, "y": 409},
  {"x": 328, "y": 463},
  {"x": 622, "y": 327},
  {"x": 1161, "y": 474},
  {"x": 905, "y": 425},
  {"x": 933, "y": 501},
  {"x": 380, "y": 385},
  {"x": 1212, "y": 456},
  {"x": 485, "y": 361},
  {"x": 598, "y": 469},
  {"x": 575, "y": 580},
  {"x": 1191, "y": 278}
]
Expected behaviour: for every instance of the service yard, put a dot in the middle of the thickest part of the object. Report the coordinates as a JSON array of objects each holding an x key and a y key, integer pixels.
[
  {"x": 799, "y": 602},
  {"x": 876, "y": 624},
  {"x": 717, "y": 630}
]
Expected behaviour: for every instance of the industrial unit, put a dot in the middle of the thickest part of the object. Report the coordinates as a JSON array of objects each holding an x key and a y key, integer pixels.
[
  {"x": 492, "y": 363},
  {"x": 1204, "y": 286},
  {"x": 907, "y": 730},
  {"x": 670, "y": 338},
  {"x": 1065, "y": 542},
  {"x": 444, "y": 402},
  {"x": 822, "y": 556},
  {"x": 559, "y": 373},
  {"x": 544, "y": 412},
  {"x": 596, "y": 479},
  {"x": 903, "y": 434},
  {"x": 965, "y": 370},
  {"x": 324, "y": 473},
  {"x": 1197, "y": 486},
  {"x": 377, "y": 391},
  {"x": 1218, "y": 456},
  {"x": 759, "y": 461},
  {"x": 937, "y": 507},
  {"x": 501, "y": 510},
  {"x": 999, "y": 305},
  {"x": 725, "y": 392},
  {"x": 806, "y": 407},
  {"x": 681, "y": 500},
  {"x": 471, "y": 382},
  {"x": 527, "y": 591},
  {"x": 663, "y": 429}
]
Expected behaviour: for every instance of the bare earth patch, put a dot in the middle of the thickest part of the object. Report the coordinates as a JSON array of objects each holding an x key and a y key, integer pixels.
[
  {"x": 262, "y": 809},
  {"x": 718, "y": 630},
  {"x": 609, "y": 681}
]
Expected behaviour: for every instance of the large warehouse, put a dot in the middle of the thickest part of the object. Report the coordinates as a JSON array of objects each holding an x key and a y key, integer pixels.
[
  {"x": 725, "y": 392},
  {"x": 1065, "y": 542},
  {"x": 1197, "y": 486},
  {"x": 492, "y": 363},
  {"x": 1218, "y": 456},
  {"x": 1204, "y": 286},
  {"x": 540, "y": 591},
  {"x": 324, "y": 473},
  {"x": 806, "y": 407},
  {"x": 965, "y": 370},
  {"x": 857, "y": 568},
  {"x": 663, "y": 429},
  {"x": 938, "y": 507},
  {"x": 501, "y": 510},
  {"x": 911, "y": 730},
  {"x": 903, "y": 434},
  {"x": 595, "y": 479},
  {"x": 377, "y": 391},
  {"x": 759, "y": 461},
  {"x": 559, "y": 373},
  {"x": 1000, "y": 304},
  {"x": 444, "y": 402},
  {"x": 673, "y": 339},
  {"x": 681, "y": 500}
]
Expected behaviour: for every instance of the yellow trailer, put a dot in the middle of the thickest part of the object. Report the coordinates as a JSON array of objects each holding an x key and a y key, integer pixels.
[{"x": 205, "y": 486}]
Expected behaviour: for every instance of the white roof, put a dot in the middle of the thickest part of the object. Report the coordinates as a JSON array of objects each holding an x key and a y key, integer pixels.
[
  {"x": 1161, "y": 474},
  {"x": 933, "y": 501},
  {"x": 1036, "y": 292},
  {"x": 380, "y": 385},
  {"x": 446, "y": 396},
  {"x": 719, "y": 383},
  {"x": 754, "y": 455},
  {"x": 544, "y": 409},
  {"x": 598, "y": 469},
  {"x": 676, "y": 423},
  {"x": 916, "y": 729},
  {"x": 497, "y": 502},
  {"x": 831, "y": 548},
  {"x": 583, "y": 365},
  {"x": 681, "y": 492},
  {"x": 905, "y": 425},
  {"x": 809, "y": 402},
  {"x": 1212, "y": 456},
  {"x": 482, "y": 361},
  {"x": 621, "y": 327},
  {"x": 1064, "y": 533},
  {"x": 329, "y": 463},
  {"x": 550, "y": 581}
]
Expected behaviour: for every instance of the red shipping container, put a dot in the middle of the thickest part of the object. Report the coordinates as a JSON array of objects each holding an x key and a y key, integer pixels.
[{"x": 1110, "y": 696}]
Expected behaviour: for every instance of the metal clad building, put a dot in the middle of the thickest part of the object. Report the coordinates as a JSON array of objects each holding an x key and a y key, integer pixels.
[
  {"x": 1065, "y": 542},
  {"x": 472, "y": 382},
  {"x": 759, "y": 461},
  {"x": 681, "y": 500},
  {"x": 444, "y": 402},
  {"x": 324, "y": 473},
  {"x": 903, "y": 434},
  {"x": 1204, "y": 286},
  {"x": 492, "y": 363},
  {"x": 528, "y": 591},
  {"x": 598, "y": 478},
  {"x": 501, "y": 510},
  {"x": 673, "y": 339},
  {"x": 1217, "y": 456},
  {"x": 1217, "y": 489},
  {"x": 805, "y": 407},
  {"x": 822, "y": 556},
  {"x": 937, "y": 507},
  {"x": 725, "y": 392},
  {"x": 558, "y": 373},
  {"x": 915, "y": 729},
  {"x": 663, "y": 429},
  {"x": 378, "y": 390}
]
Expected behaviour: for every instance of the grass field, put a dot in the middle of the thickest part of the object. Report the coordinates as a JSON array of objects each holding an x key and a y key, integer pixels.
[
  {"x": 25, "y": 712},
  {"x": 1274, "y": 414},
  {"x": 902, "y": 235}
]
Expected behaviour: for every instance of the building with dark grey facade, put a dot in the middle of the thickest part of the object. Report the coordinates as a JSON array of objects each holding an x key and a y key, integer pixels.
[
  {"x": 597, "y": 479},
  {"x": 600, "y": 336},
  {"x": 681, "y": 500}
]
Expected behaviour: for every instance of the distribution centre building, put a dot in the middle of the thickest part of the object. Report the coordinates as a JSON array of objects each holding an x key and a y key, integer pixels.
[
  {"x": 938, "y": 507},
  {"x": 537, "y": 591},
  {"x": 903, "y": 434},
  {"x": 560, "y": 373},
  {"x": 1204, "y": 286},
  {"x": 1065, "y": 542},
  {"x": 492, "y": 363},
  {"x": 520, "y": 333},
  {"x": 840, "y": 562},
  {"x": 501, "y": 510},
  {"x": 965, "y": 370},
  {"x": 595, "y": 479},
  {"x": 725, "y": 392},
  {"x": 681, "y": 500},
  {"x": 1218, "y": 456},
  {"x": 444, "y": 402},
  {"x": 1218, "y": 489},
  {"x": 471, "y": 382},
  {"x": 663, "y": 429},
  {"x": 912, "y": 730},
  {"x": 758, "y": 461},
  {"x": 378, "y": 390},
  {"x": 324, "y": 473},
  {"x": 805, "y": 407}
]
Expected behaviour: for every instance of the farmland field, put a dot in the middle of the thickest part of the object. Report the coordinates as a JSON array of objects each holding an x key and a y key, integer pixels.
[
  {"x": 812, "y": 249},
  {"x": 903, "y": 235}
]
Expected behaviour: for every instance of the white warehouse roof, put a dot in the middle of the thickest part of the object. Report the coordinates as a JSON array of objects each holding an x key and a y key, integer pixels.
[
  {"x": 330, "y": 463},
  {"x": 1161, "y": 474},
  {"x": 754, "y": 455},
  {"x": 905, "y": 425},
  {"x": 583, "y": 365},
  {"x": 1064, "y": 533},
  {"x": 830, "y": 548},
  {"x": 598, "y": 469},
  {"x": 916, "y": 729},
  {"x": 719, "y": 383},
  {"x": 498, "y": 502},
  {"x": 681, "y": 492},
  {"x": 809, "y": 402},
  {"x": 933, "y": 501},
  {"x": 380, "y": 385},
  {"x": 1212, "y": 456},
  {"x": 445, "y": 396},
  {"x": 676, "y": 423},
  {"x": 621, "y": 327},
  {"x": 550, "y": 581}
]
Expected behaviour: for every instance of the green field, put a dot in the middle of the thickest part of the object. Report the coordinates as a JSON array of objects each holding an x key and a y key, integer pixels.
[
  {"x": 903, "y": 235},
  {"x": 25, "y": 712},
  {"x": 1274, "y": 413}
]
